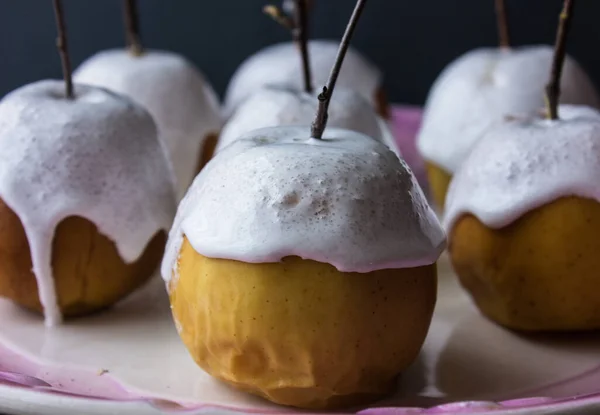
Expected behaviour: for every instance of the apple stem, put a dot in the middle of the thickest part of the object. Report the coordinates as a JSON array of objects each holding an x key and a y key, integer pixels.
[
  {"x": 300, "y": 34},
  {"x": 132, "y": 27},
  {"x": 63, "y": 48},
  {"x": 503, "y": 28},
  {"x": 320, "y": 122},
  {"x": 298, "y": 26},
  {"x": 560, "y": 51}
]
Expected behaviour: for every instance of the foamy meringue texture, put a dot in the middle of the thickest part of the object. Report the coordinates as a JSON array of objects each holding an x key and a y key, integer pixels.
[
  {"x": 481, "y": 88},
  {"x": 525, "y": 164},
  {"x": 346, "y": 200},
  {"x": 280, "y": 64},
  {"x": 278, "y": 106},
  {"x": 183, "y": 104},
  {"x": 96, "y": 156}
]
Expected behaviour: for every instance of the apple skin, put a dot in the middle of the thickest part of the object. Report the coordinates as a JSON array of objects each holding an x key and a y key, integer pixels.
[
  {"x": 540, "y": 273},
  {"x": 89, "y": 274},
  {"x": 439, "y": 182},
  {"x": 299, "y": 332}
]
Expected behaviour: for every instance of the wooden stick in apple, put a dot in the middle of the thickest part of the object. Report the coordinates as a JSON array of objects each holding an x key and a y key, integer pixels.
[
  {"x": 320, "y": 122},
  {"x": 132, "y": 27},
  {"x": 298, "y": 25},
  {"x": 553, "y": 87},
  {"x": 503, "y": 28},
  {"x": 63, "y": 48}
]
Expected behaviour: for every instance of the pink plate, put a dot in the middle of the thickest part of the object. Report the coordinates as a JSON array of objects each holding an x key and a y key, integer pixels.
[{"x": 129, "y": 359}]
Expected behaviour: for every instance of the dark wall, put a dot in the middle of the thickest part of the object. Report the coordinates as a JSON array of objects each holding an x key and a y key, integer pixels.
[{"x": 412, "y": 40}]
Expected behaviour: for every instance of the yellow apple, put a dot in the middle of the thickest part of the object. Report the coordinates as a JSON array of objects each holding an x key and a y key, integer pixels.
[
  {"x": 541, "y": 272},
  {"x": 88, "y": 271},
  {"x": 439, "y": 180},
  {"x": 300, "y": 332}
]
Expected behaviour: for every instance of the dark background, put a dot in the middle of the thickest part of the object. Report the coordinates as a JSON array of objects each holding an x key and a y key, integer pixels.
[{"x": 411, "y": 40}]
